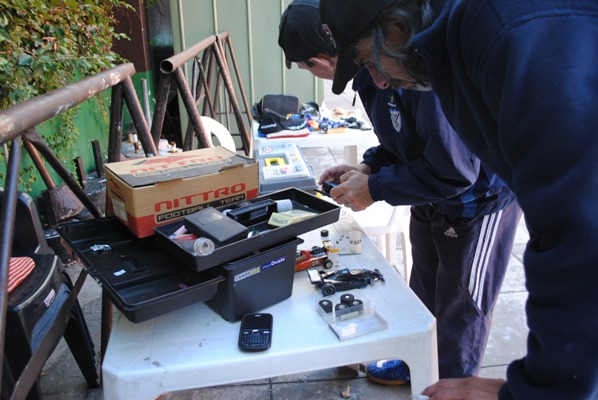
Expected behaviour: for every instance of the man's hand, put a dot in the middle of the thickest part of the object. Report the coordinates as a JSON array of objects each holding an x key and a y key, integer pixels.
[
  {"x": 472, "y": 388},
  {"x": 333, "y": 174},
  {"x": 353, "y": 191}
]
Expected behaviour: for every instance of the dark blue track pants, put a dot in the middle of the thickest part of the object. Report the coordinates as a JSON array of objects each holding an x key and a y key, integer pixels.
[{"x": 458, "y": 268}]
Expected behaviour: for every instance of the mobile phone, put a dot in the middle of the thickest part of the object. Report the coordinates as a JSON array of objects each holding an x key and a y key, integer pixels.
[{"x": 256, "y": 332}]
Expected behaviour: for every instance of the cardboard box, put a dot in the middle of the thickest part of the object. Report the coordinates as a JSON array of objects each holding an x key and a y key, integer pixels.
[{"x": 150, "y": 192}]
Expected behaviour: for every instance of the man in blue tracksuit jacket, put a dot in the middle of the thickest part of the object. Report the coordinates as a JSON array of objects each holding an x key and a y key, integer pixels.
[
  {"x": 460, "y": 210},
  {"x": 463, "y": 218},
  {"x": 519, "y": 82}
]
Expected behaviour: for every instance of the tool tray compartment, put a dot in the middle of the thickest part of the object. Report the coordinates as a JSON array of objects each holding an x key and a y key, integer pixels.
[
  {"x": 141, "y": 279},
  {"x": 326, "y": 213}
]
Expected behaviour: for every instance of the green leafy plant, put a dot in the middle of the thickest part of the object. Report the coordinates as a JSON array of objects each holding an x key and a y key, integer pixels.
[{"x": 47, "y": 44}]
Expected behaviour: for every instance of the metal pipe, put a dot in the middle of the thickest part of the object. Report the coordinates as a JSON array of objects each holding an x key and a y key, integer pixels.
[
  {"x": 206, "y": 76},
  {"x": 97, "y": 159},
  {"x": 36, "y": 140},
  {"x": 146, "y": 105},
  {"x": 161, "y": 106},
  {"x": 19, "y": 118},
  {"x": 116, "y": 124},
  {"x": 215, "y": 44},
  {"x": 7, "y": 223},
  {"x": 224, "y": 72},
  {"x": 191, "y": 107},
  {"x": 229, "y": 46},
  {"x": 39, "y": 164},
  {"x": 149, "y": 146},
  {"x": 170, "y": 64}
]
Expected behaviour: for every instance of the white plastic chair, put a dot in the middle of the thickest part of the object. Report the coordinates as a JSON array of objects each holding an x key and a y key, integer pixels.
[
  {"x": 383, "y": 223},
  {"x": 221, "y": 133}
]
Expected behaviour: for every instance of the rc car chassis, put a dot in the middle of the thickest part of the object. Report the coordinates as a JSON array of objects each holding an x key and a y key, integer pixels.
[
  {"x": 343, "y": 279},
  {"x": 317, "y": 256}
]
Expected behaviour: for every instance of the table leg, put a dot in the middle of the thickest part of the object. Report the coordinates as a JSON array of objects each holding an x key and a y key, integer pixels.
[{"x": 423, "y": 365}]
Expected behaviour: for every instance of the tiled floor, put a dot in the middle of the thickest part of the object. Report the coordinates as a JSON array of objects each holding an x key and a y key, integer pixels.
[{"x": 63, "y": 381}]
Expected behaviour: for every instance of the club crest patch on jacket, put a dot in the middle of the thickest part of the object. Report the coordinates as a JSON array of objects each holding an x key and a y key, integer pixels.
[{"x": 395, "y": 116}]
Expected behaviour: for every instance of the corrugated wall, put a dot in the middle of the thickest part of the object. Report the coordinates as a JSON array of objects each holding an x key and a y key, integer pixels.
[{"x": 253, "y": 25}]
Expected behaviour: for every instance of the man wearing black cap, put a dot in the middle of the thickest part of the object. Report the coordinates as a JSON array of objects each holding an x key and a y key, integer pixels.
[
  {"x": 517, "y": 80},
  {"x": 304, "y": 40},
  {"x": 463, "y": 218}
]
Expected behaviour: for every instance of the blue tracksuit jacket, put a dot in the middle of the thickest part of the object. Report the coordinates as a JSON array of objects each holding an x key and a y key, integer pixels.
[
  {"x": 429, "y": 164},
  {"x": 518, "y": 79}
]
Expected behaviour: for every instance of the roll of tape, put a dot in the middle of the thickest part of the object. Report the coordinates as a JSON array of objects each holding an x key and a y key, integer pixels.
[
  {"x": 284, "y": 205},
  {"x": 203, "y": 246}
]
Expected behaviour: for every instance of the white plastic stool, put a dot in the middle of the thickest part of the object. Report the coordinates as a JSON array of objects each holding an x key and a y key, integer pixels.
[
  {"x": 220, "y": 132},
  {"x": 382, "y": 223}
]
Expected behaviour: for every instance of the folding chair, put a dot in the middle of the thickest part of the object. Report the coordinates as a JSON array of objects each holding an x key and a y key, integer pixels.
[{"x": 41, "y": 310}]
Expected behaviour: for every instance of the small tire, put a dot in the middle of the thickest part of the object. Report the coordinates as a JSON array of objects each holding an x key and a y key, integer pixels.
[
  {"x": 328, "y": 289},
  {"x": 328, "y": 264}
]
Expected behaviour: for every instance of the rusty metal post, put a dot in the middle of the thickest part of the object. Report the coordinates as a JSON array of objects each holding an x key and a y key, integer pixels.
[
  {"x": 224, "y": 72},
  {"x": 150, "y": 148},
  {"x": 36, "y": 140},
  {"x": 80, "y": 170},
  {"x": 161, "y": 106},
  {"x": 215, "y": 75},
  {"x": 115, "y": 134},
  {"x": 98, "y": 160},
  {"x": 226, "y": 38},
  {"x": 205, "y": 78},
  {"x": 191, "y": 107}
]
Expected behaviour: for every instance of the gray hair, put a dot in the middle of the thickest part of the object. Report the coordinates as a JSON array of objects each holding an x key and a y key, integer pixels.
[{"x": 411, "y": 17}]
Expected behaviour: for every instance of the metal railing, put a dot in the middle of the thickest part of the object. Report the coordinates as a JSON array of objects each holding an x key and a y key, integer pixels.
[
  {"x": 17, "y": 126},
  {"x": 211, "y": 89},
  {"x": 211, "y": 85}
]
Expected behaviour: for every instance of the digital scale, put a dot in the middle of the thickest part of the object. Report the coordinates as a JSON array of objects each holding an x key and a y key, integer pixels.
[{"x": 283, "y": 166}]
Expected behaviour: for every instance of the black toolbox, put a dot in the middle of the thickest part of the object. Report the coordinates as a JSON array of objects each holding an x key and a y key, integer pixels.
[
  {"x": 256, "y": 282},
  {"x": 148, "y": 277},
  {"x": 142, "y": 279},
  {"x": 325, "y": 213}
]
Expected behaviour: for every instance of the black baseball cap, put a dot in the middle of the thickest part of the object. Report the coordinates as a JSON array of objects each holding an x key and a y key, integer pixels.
[
  {"x": 348, "y": 20},
  {"x": 300, "y": 33}
]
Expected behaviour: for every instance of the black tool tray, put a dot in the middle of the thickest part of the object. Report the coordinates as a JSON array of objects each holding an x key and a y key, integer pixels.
[
  {"x": 141, "y": 279},
  {"x": 327, "y": 213}
]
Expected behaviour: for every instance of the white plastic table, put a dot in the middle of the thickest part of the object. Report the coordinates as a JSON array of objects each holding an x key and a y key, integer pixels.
[
  {"x": 350, "y": 140},
  {"x": 195, "y": 347}
]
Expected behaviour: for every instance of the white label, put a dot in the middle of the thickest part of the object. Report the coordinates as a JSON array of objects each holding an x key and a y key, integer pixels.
[
  {"x": 119, "y": 209},
  {"x": 50, "y": 298},
  {"x": 247, "y": 274}
]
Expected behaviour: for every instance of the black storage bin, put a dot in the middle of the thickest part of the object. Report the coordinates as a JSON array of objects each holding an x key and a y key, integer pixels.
[
  {"x": 256, "y": 282},
  {"x": 141, "y": 279}
]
